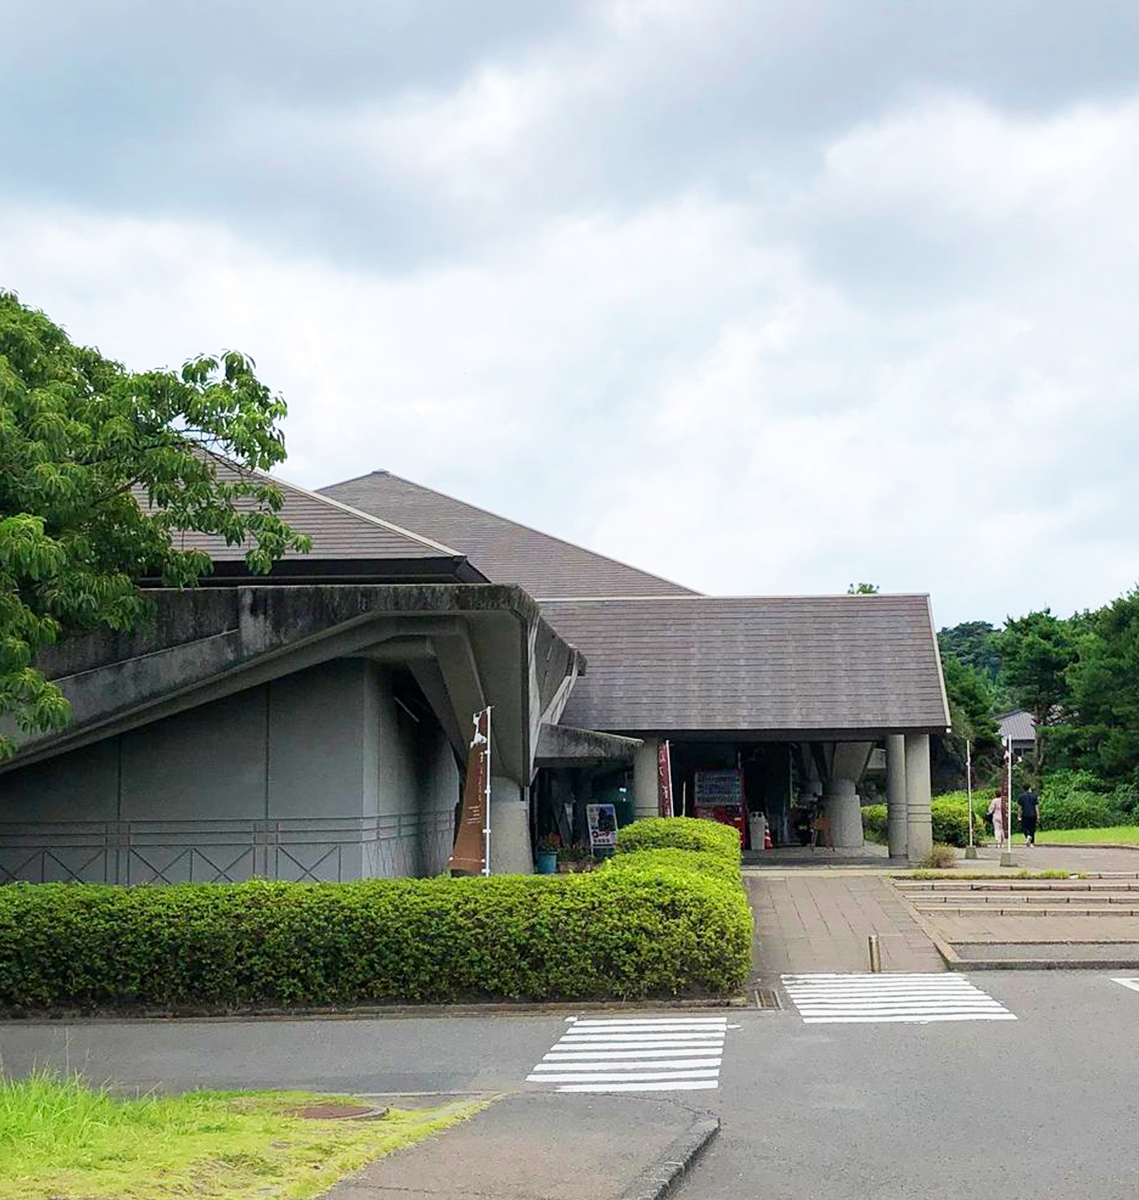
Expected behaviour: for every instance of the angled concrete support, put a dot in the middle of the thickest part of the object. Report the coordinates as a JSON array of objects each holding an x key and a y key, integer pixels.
[
  {"x": 896, "y": 819},
  {"x": 844, "y": 813},
  {"x": 919, "y": 823}
]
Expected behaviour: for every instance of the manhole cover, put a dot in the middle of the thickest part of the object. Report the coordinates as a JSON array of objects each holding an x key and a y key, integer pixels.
[{"x": 331, "y": 1111}]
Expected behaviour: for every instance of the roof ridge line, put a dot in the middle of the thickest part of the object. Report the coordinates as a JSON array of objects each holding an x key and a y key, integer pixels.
[
  {"x": 370, "y": 518},
  {"x": 743, "y": 596},
  {"x": 510, "y": 521}
]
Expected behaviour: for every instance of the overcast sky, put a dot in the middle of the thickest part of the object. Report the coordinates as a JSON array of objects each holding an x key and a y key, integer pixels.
[{"x": 765, "y": 297}]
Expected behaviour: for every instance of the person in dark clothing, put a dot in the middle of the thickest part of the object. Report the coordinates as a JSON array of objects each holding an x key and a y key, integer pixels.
[{"x": 1029, "y": 811}]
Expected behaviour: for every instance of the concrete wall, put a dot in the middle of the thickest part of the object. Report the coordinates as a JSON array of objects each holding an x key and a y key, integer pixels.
[{"x": 315, "y": 776}]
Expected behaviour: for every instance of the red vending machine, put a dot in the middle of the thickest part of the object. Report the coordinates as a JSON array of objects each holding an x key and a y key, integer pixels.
[{"x": 720, "y": 797}]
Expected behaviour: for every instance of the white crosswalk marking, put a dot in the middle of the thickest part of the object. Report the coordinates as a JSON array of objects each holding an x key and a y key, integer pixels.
[
  {"x": 1133, "y": 984},
  {"x": 640, "y": 1054},
  {"x": 855, "y": 998}
]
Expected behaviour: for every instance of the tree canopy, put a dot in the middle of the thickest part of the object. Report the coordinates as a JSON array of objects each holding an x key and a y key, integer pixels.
[{"x": 82, "y": 441}]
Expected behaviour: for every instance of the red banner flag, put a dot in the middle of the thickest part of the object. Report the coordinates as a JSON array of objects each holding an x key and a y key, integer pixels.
[
  {"x": 470, "y": 853},
  {"x": 664, "y": 779}
]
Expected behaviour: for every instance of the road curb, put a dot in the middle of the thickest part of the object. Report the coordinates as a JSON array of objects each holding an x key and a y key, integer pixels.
[
  {"x": 490, "y": 1008},
  {"x": 662, "y": 1175},
  {"x": 1046, "y": 964}
]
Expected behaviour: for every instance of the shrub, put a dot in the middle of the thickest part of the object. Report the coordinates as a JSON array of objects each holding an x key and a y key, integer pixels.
[
  {"x": 671, "y": 859},
  {"x": 874, "y": 823},
  {"x": 680, "y": 833},
  {"x": 940, "y": 857},
  {"x": 643, "y": 930}
]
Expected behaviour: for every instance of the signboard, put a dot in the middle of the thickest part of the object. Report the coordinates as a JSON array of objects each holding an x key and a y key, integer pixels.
[
  {"x": 471, "y": 853},
  {"x": 602, "y": 819},
  {"x": 664, "y": 779}
]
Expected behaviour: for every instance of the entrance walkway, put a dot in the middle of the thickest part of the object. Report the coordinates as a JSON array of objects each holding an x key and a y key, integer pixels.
[{"x": 820, "y": 922}]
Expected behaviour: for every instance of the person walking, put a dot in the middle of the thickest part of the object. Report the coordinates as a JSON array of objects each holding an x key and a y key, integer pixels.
[
  {"x": 1029, "y": 811},
  {"x": 997, "y": 813}
]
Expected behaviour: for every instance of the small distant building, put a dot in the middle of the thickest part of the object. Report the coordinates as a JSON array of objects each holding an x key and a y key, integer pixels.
[{"x": 1020, "y": 726}]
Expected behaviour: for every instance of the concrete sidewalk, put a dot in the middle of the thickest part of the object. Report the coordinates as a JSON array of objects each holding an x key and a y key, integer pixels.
[
  {"x": 821, "y": 921},
  {"x": 546, "y": 1146}
]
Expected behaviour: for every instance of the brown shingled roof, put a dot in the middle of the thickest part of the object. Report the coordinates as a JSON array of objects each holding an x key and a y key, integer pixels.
[
  {"x": 339, "y": 532},
  {"x": 837, "y": 664},
  {"x": 502, "y": 550}
]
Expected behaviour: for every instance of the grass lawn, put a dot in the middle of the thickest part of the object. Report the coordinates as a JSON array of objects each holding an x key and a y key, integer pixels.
[
  {"x": 1113, "y": 833},
  {"x": 62, "y": 1140}
]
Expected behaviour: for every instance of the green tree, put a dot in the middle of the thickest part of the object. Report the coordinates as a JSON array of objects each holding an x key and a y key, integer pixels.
[
  {"x": 970, "y": 698},
  {"x": 1105, "y": 689},
  {"x": 974, "y": 644},
  {"x": 863, "y": 589},
  {"x": 1036, "y": 652},
  {"x": 81, "y": 440}
]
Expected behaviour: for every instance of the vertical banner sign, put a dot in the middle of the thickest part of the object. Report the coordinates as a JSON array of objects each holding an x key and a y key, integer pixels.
[
  {"x": 664, "y": 779},
  {"x": 471, "y": 852}
]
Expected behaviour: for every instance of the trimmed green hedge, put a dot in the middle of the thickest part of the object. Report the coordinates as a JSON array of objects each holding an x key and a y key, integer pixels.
[
  {"x": 680, "y": 833},
  {"x": 950, "y": 816},
  {"x": 672, "y": 859},
  {"x": 654, "y": 927}
]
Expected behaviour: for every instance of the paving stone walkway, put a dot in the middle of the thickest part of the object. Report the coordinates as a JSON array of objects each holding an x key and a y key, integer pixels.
[{"x": 820, "y": 922}]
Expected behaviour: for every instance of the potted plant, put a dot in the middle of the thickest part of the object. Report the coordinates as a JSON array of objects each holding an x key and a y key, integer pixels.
[
  {"x": 547, "y": 856},
  {"x": 575, "y": 858}
]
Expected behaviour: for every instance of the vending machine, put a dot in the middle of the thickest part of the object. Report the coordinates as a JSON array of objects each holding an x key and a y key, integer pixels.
[{"x": 720, "y": 797}]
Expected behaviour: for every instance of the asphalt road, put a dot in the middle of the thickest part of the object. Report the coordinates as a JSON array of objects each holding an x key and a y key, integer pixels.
[{"x": 1044, "y": 1106}]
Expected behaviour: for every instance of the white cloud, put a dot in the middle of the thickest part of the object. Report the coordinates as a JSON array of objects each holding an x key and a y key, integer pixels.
[{"x": 909, "y": 359}]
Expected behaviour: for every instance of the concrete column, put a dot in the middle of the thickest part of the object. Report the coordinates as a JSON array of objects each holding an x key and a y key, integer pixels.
[
  {"x": 509, "y": 828},
  {"x": 841, "y": 804},
  {"x": 896, "y": 794},
  {"x": 645, "y": 802},
  {"x": 919, "y": 824}
]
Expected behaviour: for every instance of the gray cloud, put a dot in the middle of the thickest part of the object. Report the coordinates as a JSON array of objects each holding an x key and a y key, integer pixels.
[{"x": 766, "y": 298}]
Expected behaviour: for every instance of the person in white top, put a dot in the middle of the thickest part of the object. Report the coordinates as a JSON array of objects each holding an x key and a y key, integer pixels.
[{"x": 997, "y": 812}]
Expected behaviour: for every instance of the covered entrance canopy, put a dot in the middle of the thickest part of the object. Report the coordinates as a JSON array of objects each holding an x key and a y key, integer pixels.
[{"x": 799, "y": 689}]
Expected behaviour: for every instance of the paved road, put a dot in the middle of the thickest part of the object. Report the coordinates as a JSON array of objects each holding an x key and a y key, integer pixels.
[{"x": 1044, "y": 1105}]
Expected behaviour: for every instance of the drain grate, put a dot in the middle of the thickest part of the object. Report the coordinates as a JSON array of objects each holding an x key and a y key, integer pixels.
[{"x": 766, "y": 997}]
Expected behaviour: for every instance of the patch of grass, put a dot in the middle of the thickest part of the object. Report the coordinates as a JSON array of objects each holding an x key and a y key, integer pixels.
[
  {"x": 61, "y": 1139},
  {"x": 1112, "y": 833}
]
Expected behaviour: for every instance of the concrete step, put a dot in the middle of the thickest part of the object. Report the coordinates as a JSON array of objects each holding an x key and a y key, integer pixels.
[
  {"x": 1029, "y": 910},
  {"x": 1126, "y": 884},
  {"x": 1005, "y": 898}
]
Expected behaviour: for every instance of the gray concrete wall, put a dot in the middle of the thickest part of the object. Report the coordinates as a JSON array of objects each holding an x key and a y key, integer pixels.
[{"x": 310, "y": 777}]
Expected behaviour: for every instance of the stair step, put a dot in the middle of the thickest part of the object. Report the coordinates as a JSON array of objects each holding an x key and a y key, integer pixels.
[{"x": 1026, "y": 910}]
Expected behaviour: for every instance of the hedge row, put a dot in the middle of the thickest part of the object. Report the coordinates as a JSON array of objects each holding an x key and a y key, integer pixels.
[
  {"x": 655, "y": 924},
  {"x": 681, "y": 833},
  {"x": 950, "y": 819}
]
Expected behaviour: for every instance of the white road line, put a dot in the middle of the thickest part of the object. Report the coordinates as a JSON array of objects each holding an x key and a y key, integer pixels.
[
  {"x": 635, "y": 1054},
  {"x": 621, "y": 1077},
  {"x": 569, "y": 1055},
  {"x": 868, "y": 999},
  {"x": 675, "y": 1085},
  {"x": 550, "y": 1065},
  {"x": 1133, "y": 984}
]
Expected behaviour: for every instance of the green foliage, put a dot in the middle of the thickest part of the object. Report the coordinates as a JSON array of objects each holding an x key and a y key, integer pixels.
[
  {"x": 641, "y": 929},
  {"x": 970, "y": 705},
  {"x": 973, "y": 643},
  {"x": 874, "y": 823},
  {"x": 950, "y": 817},
  {"x": 80, "y": 436},
  {"x": 863, "y": 589},
  {"x": 1105, "y": 689},
  {"x": 1036, "y": 652},
  {"x": 702, "y": 863},
  {"x": 680, "y": 833},
  {"x": 939, "y": 858}
]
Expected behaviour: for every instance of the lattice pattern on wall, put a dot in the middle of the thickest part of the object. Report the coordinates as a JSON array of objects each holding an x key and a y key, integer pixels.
[{"x": 299, "y": 849}]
